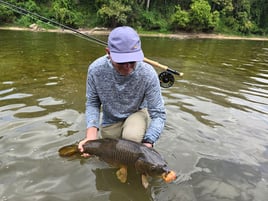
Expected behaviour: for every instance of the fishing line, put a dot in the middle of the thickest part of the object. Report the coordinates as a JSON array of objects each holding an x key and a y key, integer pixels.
[{"x": 166, "y": 78}]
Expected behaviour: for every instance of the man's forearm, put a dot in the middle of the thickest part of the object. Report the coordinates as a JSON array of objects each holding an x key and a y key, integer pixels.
[{"x": 92, "y": 133}]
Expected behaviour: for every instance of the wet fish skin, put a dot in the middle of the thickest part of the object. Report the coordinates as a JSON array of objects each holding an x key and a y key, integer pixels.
[{"x": 120, "y": 152}]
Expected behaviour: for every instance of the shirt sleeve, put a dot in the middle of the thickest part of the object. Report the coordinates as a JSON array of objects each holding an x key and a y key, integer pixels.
[
  {"x": 92, "y": 102},
  {"x": 156, "y": 109}
]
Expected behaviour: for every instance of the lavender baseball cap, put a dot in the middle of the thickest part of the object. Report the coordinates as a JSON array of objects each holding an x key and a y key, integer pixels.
[{"x": 125, "y": 45}]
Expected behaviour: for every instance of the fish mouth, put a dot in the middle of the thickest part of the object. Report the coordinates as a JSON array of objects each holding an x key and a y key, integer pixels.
[{"x": 169, "y": 176}]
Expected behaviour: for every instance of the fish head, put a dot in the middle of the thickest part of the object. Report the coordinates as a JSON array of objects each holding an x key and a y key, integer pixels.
[
  {"x": 156, "y": 170},
  {"x": 164, "y": 172},
  {"x": 152, "y": 169},
  {"x": 169, "y": 176}
]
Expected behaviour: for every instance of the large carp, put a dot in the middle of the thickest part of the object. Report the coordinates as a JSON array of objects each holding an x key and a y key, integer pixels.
[{"x": 125, "y": 153}]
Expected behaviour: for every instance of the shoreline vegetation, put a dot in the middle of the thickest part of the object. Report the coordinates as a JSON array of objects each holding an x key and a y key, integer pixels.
[{"x": 106, "y": 31}]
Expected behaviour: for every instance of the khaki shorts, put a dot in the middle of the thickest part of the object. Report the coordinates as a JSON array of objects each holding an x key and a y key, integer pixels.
[{"x": 133, "y": 128}]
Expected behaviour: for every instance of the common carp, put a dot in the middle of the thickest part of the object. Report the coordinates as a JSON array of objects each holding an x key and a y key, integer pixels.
[{"x": 125, "y": 153}]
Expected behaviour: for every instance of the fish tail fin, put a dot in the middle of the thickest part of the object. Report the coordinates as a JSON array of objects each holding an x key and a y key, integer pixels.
[{"x": 69, "y": 150}]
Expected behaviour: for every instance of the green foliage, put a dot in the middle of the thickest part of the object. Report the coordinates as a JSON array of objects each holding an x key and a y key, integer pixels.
[
  {"x": 225, "y": 7},
  {"x": 65, "y": 13},
  {"x": 25, "y": 21},
  {"x": 232, "y": 16},
  {"x": 153, "y": 21},
  {"x": 198, "y": 18},
  {"x": 180, "y": 19},
  {"x": 201, "y": 18},
  {"x": 238, "y": 17},
  {"x": 259, "y": 14},
  {"x": 6, "y": 15},
  {"x": 114, "y": 13},
  {"x": 29, "y": 5}
]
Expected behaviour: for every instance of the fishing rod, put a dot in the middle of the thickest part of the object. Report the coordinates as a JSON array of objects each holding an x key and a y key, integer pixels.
[{"x": 166, "y": 78}]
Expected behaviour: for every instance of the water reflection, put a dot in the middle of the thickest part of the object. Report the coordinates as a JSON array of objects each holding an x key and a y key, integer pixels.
[
  {"x": 215, "y": 137},
  {"x": 225, "y": 180},
  {"x": 106, "y": 181}
]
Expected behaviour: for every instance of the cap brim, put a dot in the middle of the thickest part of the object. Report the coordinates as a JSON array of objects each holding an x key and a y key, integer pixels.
[{"x": 127, "y": 57}]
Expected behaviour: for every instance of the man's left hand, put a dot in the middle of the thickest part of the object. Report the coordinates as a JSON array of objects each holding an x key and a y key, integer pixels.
[{"x": 148, "y": 145}]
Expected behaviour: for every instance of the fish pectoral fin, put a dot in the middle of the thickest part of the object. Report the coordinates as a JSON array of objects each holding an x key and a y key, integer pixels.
[
  {"x": 122, "y": 174},
  {"x": 144, "y": 181}
]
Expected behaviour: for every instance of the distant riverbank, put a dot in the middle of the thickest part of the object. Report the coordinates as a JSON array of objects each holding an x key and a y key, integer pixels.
[{"x": 105, "y": 31}]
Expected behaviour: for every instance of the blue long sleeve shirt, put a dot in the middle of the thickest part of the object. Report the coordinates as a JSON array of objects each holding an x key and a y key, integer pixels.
[{"x": 120, "y": 96}]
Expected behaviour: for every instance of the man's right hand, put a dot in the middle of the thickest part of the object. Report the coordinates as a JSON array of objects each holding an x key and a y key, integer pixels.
[
  {"x": 91, "y": 134},
  {"x": 81, "y": 149}
]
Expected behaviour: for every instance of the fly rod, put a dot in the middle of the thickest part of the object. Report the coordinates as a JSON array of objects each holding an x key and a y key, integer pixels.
[{"x": 166, "y": 77}]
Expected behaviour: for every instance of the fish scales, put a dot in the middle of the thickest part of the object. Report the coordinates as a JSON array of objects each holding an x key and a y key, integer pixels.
[
  {"x": 126, "y": 152},
  {"x": 114, "y": 151},
  {"x": 118, "y": 152}
]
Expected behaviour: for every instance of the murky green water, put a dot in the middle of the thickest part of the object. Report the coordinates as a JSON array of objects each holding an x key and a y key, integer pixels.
[{"x": 216, "y": 136}]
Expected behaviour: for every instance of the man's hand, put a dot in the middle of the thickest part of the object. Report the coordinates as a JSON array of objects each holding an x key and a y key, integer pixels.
[
  {"x": 148, "y": 145},
  {"x": 147, "y": 142},
  {"x": 91, "y": 134}
]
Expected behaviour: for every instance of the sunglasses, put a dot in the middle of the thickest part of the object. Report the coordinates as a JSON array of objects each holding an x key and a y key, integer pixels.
[{"x": 130, "y": 63}]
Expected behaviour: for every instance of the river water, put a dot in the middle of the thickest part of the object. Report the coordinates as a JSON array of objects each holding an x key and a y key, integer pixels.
[{"x": 215, "y": 138}]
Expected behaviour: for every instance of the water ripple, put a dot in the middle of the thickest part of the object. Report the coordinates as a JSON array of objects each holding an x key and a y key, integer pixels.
[
  {"x": 215, "y": 136},
  {"x": 6, "y": 91},
  {"x": 50, "y": 101},
  {"x": 15, "y": 96}
]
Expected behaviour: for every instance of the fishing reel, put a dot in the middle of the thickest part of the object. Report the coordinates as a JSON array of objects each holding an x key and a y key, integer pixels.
[{"x": 166, "y": 79}]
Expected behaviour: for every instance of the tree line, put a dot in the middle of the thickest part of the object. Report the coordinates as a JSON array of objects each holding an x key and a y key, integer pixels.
[{"x": 223, "y": 16}]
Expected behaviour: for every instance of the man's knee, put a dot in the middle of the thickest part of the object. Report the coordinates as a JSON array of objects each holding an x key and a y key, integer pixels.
[
  {"x": 135, "y": 126},
  {"x": 112, "y": 131}
]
